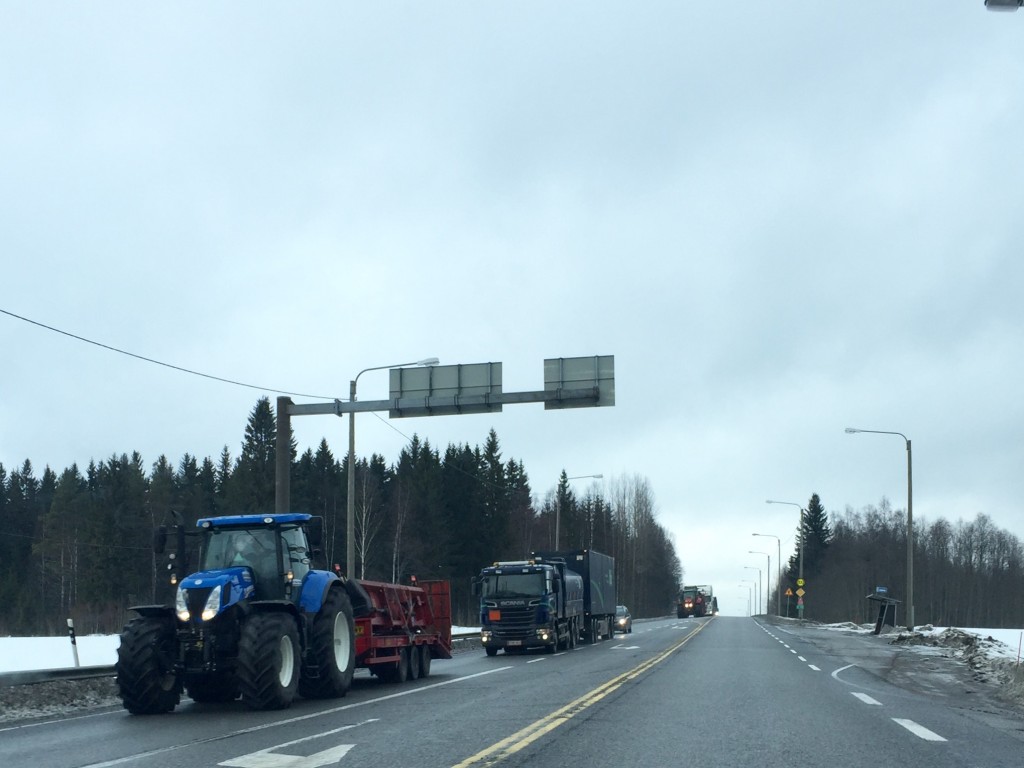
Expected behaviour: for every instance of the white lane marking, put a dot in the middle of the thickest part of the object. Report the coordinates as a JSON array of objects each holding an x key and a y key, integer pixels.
[
  {"x": 816, "y": 669},
  {"x": 265, "y": 758},
  {"x": 918, "y": 730},
  {"x": 791, "y": 650},
  {"x": 865, "y": 698},
  {"x": 802, "y": 658},
  {"x": 842, "y": 669},
  {"x": 534, "y": 661},
  {"x": 287, "y": 721}
]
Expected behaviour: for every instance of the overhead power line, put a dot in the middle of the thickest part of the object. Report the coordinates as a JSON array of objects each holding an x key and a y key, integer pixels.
[{"x": 158, "y": 362}]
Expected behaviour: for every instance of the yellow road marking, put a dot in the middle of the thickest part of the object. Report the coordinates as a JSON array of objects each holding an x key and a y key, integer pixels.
[{"x": 526, "y": 736}]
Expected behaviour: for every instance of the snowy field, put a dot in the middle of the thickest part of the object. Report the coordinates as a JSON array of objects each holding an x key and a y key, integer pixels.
[{"x": 18, "y": 654}]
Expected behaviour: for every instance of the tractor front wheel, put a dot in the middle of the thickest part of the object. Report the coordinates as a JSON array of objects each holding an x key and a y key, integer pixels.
[
  {"x": 268, "y": 661},
  {"x": 146, "y": 680}
]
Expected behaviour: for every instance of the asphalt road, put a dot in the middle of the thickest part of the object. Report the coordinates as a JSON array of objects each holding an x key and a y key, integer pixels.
[{"x": 703, "y": 692}]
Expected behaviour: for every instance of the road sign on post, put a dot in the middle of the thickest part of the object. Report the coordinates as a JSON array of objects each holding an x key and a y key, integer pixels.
[
  {"x": 572, "y": 374},
  {"x": 446, "y": 390}
]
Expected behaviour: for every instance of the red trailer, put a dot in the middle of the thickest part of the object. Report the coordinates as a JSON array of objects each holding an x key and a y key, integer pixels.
[{"x": 400, "y": 629}]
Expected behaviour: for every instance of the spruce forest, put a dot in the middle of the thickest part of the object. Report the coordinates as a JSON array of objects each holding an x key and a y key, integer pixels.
[{"x": 79, "y": 545}]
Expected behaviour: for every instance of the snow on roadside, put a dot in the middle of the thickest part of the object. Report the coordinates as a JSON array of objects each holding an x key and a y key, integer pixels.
[{"x": 20, "y": 654}]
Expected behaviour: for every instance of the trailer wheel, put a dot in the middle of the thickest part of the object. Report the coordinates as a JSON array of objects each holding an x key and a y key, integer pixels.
[
  {"x": 425, "y": 661},
  {"x": 146, "y": 680},
  {"x": 268, "y": 661},
  {"x": 217, "y": 687},
  {"x": 395, "y": 671},
  {"x": 414, "y": 662},
  {"x": 332, "y": 649}
]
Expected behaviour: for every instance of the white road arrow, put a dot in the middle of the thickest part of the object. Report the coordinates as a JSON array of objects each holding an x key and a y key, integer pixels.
[{"x": 268, "y": 759}]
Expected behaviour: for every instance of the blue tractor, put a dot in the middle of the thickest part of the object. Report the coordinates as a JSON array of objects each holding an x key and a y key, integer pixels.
[{"x": 256, "y": 621}]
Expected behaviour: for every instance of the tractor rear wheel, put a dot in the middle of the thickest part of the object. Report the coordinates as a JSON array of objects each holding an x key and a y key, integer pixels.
[
  {"x": 333, "y": 650},
  {"x": 146, "y": 680},
  {"x": 268, "y": 661}
]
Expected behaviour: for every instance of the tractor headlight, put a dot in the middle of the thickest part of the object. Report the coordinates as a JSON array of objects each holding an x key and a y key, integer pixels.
[
  {"x": 179, "y": 605},
  {"x": 212, "y": 607}
]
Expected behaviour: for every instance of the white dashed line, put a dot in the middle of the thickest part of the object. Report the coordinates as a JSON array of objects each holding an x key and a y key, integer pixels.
[
  {"x": 918, "y": 730},
  {"x": 866, "y": 699},
  {"x": 816, "y": 669}
]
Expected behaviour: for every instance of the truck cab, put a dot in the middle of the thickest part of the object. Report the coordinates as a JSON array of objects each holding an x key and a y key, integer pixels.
[{"x": 529, "y": 604}]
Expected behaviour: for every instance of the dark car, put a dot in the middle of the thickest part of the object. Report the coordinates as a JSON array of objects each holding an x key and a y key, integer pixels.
[{"x": 623, "y": 621}]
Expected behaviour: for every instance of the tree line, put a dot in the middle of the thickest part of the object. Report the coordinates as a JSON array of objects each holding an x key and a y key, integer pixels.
[
  {"x": 79, "y": 545},
  {"x": 968, "y": 574}
]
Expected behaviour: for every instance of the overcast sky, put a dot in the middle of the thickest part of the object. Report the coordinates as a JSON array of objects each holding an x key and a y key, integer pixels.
[{"x": 782, "y": 218}]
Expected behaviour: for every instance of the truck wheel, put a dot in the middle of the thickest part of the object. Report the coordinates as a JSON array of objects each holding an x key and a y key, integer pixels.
[
  {"x": 491, "y": 651},
  {"x": 268, "y": 661},
  {"x": 146, "y": 680},
  {"x": 425, "y": 660},
  {"x": 414, "y": 662},
  {"x": 212, "y": 688},
  {"x": 332, "y": 649}
]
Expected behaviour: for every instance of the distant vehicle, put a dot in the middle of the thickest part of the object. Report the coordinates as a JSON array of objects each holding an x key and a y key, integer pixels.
[
  {"x": 623, "y": 621},
  {"x": 697, "y": 601}
]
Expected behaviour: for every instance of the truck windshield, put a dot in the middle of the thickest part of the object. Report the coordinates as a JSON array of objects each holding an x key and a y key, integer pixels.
[{"x": 513, "y": 585}]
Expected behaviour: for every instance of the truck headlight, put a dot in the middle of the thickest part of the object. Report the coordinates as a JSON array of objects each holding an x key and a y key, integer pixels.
[{"x": 212, "y": 606}]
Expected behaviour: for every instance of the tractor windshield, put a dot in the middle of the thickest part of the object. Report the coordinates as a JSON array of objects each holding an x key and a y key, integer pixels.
[{"x": 229, "y": 547}]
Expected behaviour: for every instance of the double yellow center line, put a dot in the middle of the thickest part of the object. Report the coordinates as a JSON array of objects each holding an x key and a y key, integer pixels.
[{"x": 526, "y": 736}]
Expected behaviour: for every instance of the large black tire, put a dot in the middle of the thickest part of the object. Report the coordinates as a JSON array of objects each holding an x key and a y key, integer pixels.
[
  {"x": 425, "y": 660},
  {"x": 268, "y": 661},
  {"x": 332, "y": 646},
  {"x": 218, "y": 687},
  {"x": 146, "y": 681},
  {"x": 414, "y": 662},
  {"x": 490, "y": 650},
  {"x": 396, "y": 671}
]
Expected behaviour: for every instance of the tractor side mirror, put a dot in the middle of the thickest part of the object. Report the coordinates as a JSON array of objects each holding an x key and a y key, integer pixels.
[
  {"x": 160, "y": 539},
  {"x": 315, "y": 532}
]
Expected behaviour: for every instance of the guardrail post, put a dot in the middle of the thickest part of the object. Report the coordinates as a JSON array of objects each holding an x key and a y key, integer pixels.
[{"x": 74, "y": 644}]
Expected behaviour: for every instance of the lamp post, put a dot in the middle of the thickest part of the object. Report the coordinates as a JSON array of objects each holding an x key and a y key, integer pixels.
[
  {"x": 767, "y": 578},
  {"x": 750, "y": 594},
  {"x": 800, "y": 601},
  {"x": 910, "y": 520},
  {"x": 755, "y": 568},
  {"x": 350, "y": 523},
  {"x": 778, "y": 562},
  {"x": 558, "y": 503}
]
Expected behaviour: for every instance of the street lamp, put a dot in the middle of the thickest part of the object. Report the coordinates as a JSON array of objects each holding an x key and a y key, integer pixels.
[
  {"x": 800, "y": 601},
  {"x": 350, "y": 524},
  {"x": 750, "y": 594},
  {"x": 910, "y": 520},
  {"x": 767, "y": 578},
  {"x": 755, "y": 568},
  {"x": 558, "y": 503},
  {"x": 778, "y": 562}
]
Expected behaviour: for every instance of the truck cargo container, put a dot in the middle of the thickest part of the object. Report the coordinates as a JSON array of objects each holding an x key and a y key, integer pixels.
[{"x": 599, "y": 600}]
